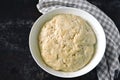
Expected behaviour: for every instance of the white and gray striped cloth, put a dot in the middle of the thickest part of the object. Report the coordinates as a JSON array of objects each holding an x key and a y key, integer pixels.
[{"x": 109, "y": 66}]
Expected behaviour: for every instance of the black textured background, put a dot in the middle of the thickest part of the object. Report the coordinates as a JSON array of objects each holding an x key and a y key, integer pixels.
[{"x": 16, "y": 19}]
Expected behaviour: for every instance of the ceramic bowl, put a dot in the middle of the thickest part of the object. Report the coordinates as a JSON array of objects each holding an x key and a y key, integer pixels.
[{"x": 100, "y": 48}]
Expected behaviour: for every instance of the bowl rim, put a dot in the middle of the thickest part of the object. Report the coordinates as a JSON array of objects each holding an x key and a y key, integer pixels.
[{"x": 89, "y": 66}]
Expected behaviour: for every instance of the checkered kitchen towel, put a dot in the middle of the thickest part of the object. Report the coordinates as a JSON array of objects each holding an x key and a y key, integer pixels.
[{"x": 109, "y": 66}]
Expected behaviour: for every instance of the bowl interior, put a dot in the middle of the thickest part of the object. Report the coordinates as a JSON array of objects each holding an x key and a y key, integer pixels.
[{"x": 101, "y": 41}]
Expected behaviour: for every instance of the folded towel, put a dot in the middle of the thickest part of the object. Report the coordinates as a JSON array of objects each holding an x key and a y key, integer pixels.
[{"x": 109, "y": 66}]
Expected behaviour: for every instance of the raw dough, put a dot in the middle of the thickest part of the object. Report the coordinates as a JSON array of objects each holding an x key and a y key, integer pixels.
[{"x": 67, "y": 42}]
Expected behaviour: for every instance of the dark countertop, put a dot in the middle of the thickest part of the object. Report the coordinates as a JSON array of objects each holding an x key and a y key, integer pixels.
[{"x": 16, "y": 19}]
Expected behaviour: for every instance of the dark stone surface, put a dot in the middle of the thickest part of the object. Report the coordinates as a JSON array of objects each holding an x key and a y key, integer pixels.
[{"x": 16, "y": 19}]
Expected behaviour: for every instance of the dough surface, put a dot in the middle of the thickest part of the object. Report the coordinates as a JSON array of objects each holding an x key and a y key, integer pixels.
[{"x": 67, "y": 42}]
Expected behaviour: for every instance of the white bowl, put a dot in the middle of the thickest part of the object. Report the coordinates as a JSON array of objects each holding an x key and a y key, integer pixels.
[{"x": 101, "y": 42}]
